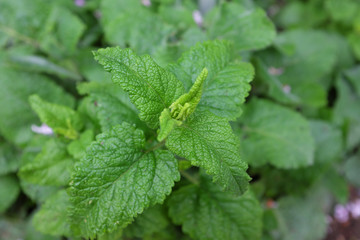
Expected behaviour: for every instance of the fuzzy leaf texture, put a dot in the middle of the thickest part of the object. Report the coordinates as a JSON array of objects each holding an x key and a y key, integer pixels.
[
  {"x": 150, "y": 87},
  {"x": 117, "y": 180},
  {"x": 206, "y": 213},
  {"x": 227, "y": 83},
  {"x": 63, "y": 120},
  {"x": 50, "y": 167},
  {"x": 208, "y": 142}
]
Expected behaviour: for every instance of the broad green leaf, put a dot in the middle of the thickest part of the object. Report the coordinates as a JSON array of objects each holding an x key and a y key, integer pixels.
[
  {"x": 52, "y": 166},
  {"x": 249, "y": 29},
  {"x": 61, "y": 32},
  {"x": 9, "y": 159},
  {"x": 301, "y": 218},
  {"x": 16, "y": 87},
  {"x": 347, "y": 112},
  {"x": 353, "y": 75},
  {"x": 77, "y": 147},
  {"x": 342, "y": 11},
  {"x": 117, "y": 180},
  {"x": 227, "y": 83},
  {"x": 205, "y": 212},
  {"x": 63, "y": 120},
  {"x": 150, "y": 87},
  {"x": 111, "y": 104},
  {"x": 208, "y": 142},
  {"x": 299, "y": 14},
  {"x": 275, "y": 89},
  {"x": 274, "y": 134},
  {"x": 52, "y": 217},
  {"x": 352, "y": 169},
  {"x": 309, "y": 56},
  {"x": 9, "y": 190},
  {"x": 128, "y": 23},
  {"x": 37, "y": 193},
  {"x": 328, "y": 141},
  {"x": 112, "y": 111},
  {"x": 32, "y": 234},
  {"x": 150, "y": 224}
]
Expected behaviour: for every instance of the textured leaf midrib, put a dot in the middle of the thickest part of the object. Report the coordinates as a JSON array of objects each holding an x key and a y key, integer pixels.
[
  {"x": 267, "y": 134},
  {"x": 135, "y": 73}
]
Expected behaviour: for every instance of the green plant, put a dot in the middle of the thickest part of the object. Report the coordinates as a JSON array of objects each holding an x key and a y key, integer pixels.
[{"x": 200, "y": 121}]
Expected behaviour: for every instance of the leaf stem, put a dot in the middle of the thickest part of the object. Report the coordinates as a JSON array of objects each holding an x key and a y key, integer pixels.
[{"x": 189, "y": 177}]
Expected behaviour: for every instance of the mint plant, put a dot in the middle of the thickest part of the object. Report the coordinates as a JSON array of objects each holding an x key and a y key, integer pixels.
[
  {"x": 123, "y": 172},
  {"x": 127, "y": 120}
]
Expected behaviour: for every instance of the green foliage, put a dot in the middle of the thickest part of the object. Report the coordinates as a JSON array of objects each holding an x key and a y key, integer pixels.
[
  {"x": 273, "y": 134},
  {"x": 205, "y": 212},
  {"x": 217, "y": 150},
  {"x": 61, "y": 119},
  {"x": 9, "y": 189},
  {"x": 143, "y": 80},
  {"x": 144, "y": 149},
  {"x": 116, "y": 180}
]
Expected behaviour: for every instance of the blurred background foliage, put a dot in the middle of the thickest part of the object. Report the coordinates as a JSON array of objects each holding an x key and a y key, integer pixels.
[{"x": 299, "y": 130}]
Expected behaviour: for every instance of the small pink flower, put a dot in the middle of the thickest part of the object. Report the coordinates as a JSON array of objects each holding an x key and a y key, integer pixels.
[
  {"x": 43, "y": 129},
  {"x": 197, "y": 17},
  {"x": 341, "y": 213},
  {"x": 79, "y": 3},
  {"x": 146, "y": 3}
]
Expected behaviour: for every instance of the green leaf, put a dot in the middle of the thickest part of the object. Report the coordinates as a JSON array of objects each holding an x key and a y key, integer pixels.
[
  {"x": 141, "y": 29},
  {"x": 274, "y": 134},
  {"x": 301, "y": 218},
  {"x": 328, "y": 141},
  {"x": 9, "y": 159},
  {"x": 77, "y": 147},
  {"x": 61, "y": 32},
  {"x": 9, "y": 190},
  {"x": 116, "y": 180},
  {"x": 249, "y": 29},
  {"x": 342, "y": 11},
  {"x": 227, "y": 83},
  {"x": 50, "y": 167},
  {"x": 353, "y": 76},
  {"x": 151, "y": 223},
  {"x": 347, "y": 112},
  {"x": 205, "y": 212},
  {"x": 52, "y": 217},
  {"x": 312, "y": 56},
  {"x": 37, "y": 193},
  {"x": 352, "y": 169},
  {"x": 208, "y": 142},
  {"x": 150, "y": 87},
  {"x": 63, "y": 120},
  {"x": 16, "y": 87}
]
